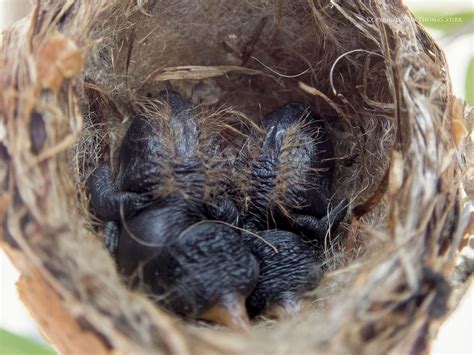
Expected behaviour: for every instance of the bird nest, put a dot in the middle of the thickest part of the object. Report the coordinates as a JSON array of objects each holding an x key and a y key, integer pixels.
[{"x": 71, "y": 75}]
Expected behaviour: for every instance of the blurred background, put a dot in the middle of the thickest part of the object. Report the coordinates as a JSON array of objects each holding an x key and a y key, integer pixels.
[{"x": 452, "y": 25}]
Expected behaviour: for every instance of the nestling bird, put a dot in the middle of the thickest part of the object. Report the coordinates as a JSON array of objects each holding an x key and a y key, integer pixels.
[
  {"x": 287, "y": 175},
  {"x": 288, "y": 269},
  {"x": 202, "y": 271},
  {"x": 155, "y": 210}
]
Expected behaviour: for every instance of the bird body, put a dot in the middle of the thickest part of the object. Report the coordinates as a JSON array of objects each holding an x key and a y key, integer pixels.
[{"x": 144, "y": 236}]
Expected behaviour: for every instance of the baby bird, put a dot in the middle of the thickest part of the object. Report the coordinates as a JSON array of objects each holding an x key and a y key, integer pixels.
[
  {"x": 155, "y": 210},
  {"x": 202, "y": 271},
  {"x": 288, "y": 173},
  {"x": 288, "y": 269}
]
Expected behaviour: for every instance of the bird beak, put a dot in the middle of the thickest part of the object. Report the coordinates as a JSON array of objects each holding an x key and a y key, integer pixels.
[
  {"x": 231, "y": 313},
  {"x": 285, "y": 311}
]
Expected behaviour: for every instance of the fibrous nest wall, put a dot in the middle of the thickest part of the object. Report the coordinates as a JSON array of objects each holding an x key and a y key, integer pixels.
[{"x": 74, "y": 72}]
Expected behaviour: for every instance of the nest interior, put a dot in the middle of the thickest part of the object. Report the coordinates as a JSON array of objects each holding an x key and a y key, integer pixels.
[{"x": 72, "y": 74}]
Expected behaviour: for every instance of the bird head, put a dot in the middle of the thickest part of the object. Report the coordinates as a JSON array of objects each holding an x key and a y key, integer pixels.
[
  {"x": 278, "y": 122},
  {"x": 209, "y": 272}
]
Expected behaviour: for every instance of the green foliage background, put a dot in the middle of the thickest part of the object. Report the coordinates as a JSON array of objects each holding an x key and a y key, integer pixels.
[{"x": 12, "y": 344}]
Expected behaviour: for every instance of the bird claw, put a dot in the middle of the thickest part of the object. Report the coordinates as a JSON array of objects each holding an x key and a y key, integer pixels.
[
  {"x": 337, "y": 214},
  {"x": 317, "y": 228}
]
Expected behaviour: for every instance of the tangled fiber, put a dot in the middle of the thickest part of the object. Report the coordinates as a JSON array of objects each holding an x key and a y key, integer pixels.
[{"x": 73, "y": 72}]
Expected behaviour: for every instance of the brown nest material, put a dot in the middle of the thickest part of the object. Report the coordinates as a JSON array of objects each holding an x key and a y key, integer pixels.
[{"x": 70, "y": 75}]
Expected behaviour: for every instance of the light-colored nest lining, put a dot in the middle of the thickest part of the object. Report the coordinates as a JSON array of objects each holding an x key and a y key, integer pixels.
[{"x": 367, "y": 66}]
